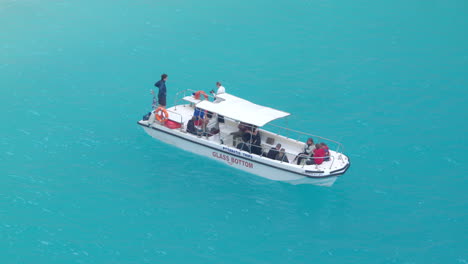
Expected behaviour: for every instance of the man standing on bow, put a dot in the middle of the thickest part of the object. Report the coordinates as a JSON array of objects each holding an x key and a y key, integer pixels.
[{"x": 161, "y": 84}]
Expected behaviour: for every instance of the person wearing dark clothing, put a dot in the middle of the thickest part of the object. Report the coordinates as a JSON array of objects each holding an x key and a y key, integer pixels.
[
  {"x": 161, "y": 84},
  {"x": 282, "y": 156},
  {"x": 243, "y": 131},
  {"x": 243, "y": 128},
  {"x": 244, "y": 145},
  {"x": 191, "y": 126},
  {"x": 256, "y": 143},
  {"x": 246, "y": 137},
  {"x": 274, "y": 151}
]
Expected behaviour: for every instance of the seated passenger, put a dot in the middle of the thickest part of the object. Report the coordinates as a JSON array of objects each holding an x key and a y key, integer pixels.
[
  {"x": 256, "y": 142},
  {"x": 191, "y": 126},
  {"x": 208, "y": 128},
  {"x": 243, "y": 128},
  {"x": 282, "y": 156},
  {"x": 318, "y": 156},
  {"x": 246, "y": 137},
  {"x": 244, "y": 145},
  {"x": 204, "y": 125},
  {"x": 307, "y": 151},
  {"x": 199, "y": 114},
  {"x": 274, "y": 151},
  {"x": 327, "y": 151}
]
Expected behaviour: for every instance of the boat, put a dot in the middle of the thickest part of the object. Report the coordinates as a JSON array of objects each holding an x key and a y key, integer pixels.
[{"x": 216, "y": 120}]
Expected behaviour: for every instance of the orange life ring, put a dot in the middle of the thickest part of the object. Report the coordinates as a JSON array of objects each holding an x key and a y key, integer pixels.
[
  {"x": 161, "y": 114},
  {"x": 197, "y": 95}
]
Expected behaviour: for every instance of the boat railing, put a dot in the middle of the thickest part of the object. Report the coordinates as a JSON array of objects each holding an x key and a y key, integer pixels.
[
  {"x": 265, "y": 148},
  {"x": 302, "y": 137},
  {"x": 310, "y": 158},
  {"x": 304, "y": 158},
  {"x": 180, "y": 119},
  {"x": 281, "y": 131},
  {"x": 326, "y": 158}
]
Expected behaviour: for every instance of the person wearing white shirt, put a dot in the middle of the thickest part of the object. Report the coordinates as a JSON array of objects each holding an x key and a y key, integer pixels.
[{"x": 221, "y": 88}]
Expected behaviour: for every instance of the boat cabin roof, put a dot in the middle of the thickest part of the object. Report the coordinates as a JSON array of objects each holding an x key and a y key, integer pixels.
[{"x": 242, "y": 110}]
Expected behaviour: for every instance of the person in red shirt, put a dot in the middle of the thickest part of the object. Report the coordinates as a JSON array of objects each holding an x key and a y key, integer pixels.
[
  {"x": 327, "y": 151},
  {"x": 318, "y": 155}
]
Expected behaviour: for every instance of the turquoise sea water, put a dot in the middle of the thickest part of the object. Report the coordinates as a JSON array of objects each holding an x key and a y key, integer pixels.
[{"x": 80, "y": 182}]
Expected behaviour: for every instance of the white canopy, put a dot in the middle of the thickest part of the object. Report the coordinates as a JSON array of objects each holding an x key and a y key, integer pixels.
[{"x": 241, "y": 110}]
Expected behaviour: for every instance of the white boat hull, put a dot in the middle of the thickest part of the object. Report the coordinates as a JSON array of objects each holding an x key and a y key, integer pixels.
[{"x": 230, "y": 156}]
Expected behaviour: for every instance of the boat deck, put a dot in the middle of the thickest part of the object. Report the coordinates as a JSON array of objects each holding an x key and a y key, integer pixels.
[{"x": 183, "y": 113}]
